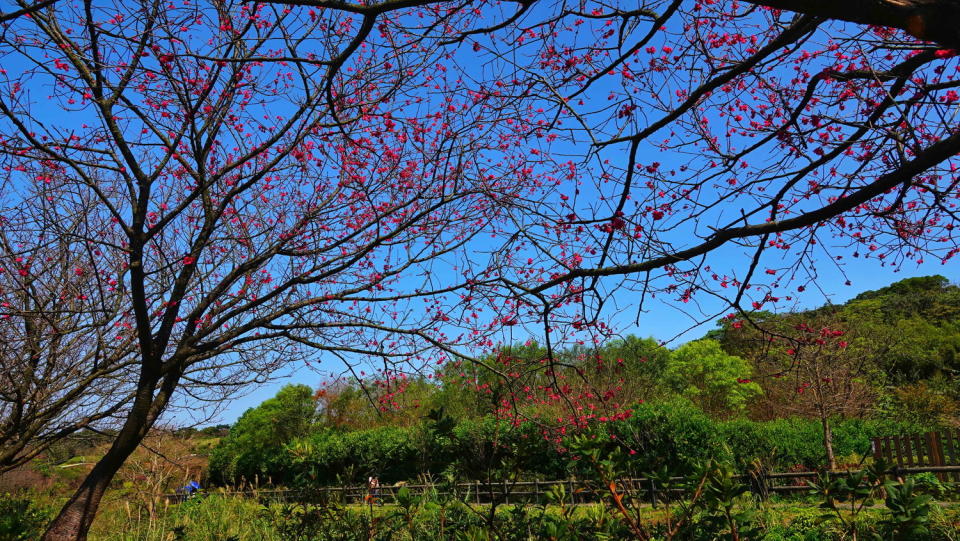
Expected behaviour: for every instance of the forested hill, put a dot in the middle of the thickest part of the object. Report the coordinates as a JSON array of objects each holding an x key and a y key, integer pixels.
[
  {"x": 907, "y": 332},
  {"x": 929, "y": 298},
  {"x": 923, "y": 317}
]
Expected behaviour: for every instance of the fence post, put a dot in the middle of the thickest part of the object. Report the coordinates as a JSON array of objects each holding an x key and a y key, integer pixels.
[
  {"x": 935, "y": 446},
  {"x": 759, "y": 481},
  {"x": 951, "y": 450}
]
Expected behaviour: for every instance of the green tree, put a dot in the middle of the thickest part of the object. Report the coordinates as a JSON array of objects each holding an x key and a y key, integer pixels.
[
  {"x": 506, "y": 381},
  {"x": 388, "y": 399},
  {"x": 717, "y": 382},
  {"x": 255, "y": 443},
  {"x": 640, "y": 361}
]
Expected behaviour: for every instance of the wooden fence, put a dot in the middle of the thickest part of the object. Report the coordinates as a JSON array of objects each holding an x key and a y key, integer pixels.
[
  {"x": 933, "y": 449},
  {"x": 577, "y": 491}
]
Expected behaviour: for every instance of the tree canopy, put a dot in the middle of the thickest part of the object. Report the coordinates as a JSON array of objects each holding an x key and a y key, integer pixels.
[
  {"x": 719, "y": 382},
  {"x": 259, "y": 431},
  {"x": 241, "y": 185}
]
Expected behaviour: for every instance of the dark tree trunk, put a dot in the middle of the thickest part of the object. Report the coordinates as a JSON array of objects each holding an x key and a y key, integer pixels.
[
  {"x": 75, "y": 518},
  {"x": 931, "y": 20}
]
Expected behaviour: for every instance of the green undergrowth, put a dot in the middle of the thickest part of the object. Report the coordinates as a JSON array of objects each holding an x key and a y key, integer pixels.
[{"x": 219, "y": 517}]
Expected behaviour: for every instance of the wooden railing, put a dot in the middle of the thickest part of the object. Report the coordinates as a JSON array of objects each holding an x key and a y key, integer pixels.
[
  {"x": 577, "y": 491},
  {"x": 918, "y": 450}
]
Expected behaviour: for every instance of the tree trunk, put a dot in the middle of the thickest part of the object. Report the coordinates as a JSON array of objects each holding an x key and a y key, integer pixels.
[
  {"x": 828, "y": 443},
  {"x": 75, "y": 518},
  {"x": 78, "y": 513}
]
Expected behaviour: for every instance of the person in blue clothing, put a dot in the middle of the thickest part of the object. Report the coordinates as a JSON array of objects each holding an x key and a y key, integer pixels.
[{"x": 189, "y": 490}]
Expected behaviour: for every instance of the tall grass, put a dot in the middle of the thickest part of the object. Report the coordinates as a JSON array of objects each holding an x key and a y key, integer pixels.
[
  {"x": 221, "y": 516},
  {"x": 212, "y": 517}
]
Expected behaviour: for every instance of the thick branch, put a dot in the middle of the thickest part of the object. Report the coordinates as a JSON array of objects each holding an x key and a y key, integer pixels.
[
  {"x": 934, "y": 155},
  {"x": 931, "y": 20},
  {"x": 4, "y": 17}
]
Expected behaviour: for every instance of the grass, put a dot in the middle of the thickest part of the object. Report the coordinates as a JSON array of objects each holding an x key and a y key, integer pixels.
[
  {"x": 221, "y": 517},
  {"x": 125, "y": 515},
  {"x": 212, "y": 518}
]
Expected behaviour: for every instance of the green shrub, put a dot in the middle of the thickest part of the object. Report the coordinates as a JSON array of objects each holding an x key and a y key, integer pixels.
[
  {"x": 673, "y": 435},
  {"x": 488, "y": 445},
  {"x": 793, "y": 442},
  {"x": 20, "y": 519}
]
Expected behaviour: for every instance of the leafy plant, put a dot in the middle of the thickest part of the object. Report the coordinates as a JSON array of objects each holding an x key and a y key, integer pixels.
[
  {"x": 928, "y": 483},
  {"x": 20, "y": 519},
  {"x": 726, "y": 506},
  {"x": 908, "y": 511},
  {"x": 846, "y": 495}
]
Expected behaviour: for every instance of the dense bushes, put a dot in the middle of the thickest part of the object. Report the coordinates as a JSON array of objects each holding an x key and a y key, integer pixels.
[
  {"x": 672, "y": 435},
  {"x": 487, "y": 447},
  {"x": 21, "y": 519},
  {"x": 782, "y": 444},
  {"x": 472, "y": 449},
  {"x": 676, "y": 435},
  {"x": 388, "y": 452}
]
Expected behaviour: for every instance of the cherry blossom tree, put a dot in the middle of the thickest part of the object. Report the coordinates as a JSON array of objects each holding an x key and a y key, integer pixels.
[
  {"x": 60, "y": 373},
  {"x": 733, "y": 149},
  {"x": 265, "y": 179},
  {"x": 228, "y": 188},
  {"x": 811, "y": 365}
]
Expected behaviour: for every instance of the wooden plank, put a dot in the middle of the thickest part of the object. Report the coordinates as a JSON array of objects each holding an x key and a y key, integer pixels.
[
  {"x": 950, "y": 451},
  {"x": 949, "y": 438},
  {"x": 898, "y": 453},
  {"x": 935, "y": 443}
]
